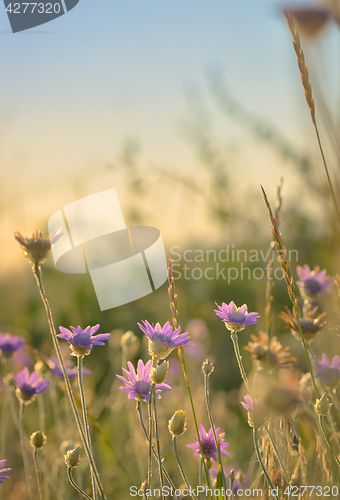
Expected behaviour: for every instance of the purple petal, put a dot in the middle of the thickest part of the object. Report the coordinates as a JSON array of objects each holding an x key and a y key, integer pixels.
[
  {"x": 95, "y": 328},
  {"x": 140, "y": 369},
  {"x": 102, "y": 336}
]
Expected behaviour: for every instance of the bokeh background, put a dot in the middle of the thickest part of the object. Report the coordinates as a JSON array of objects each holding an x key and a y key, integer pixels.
[{"x": 185, "y": 108}]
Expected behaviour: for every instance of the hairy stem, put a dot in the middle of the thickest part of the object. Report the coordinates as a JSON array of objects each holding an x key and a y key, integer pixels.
[
  {"x": 150, "y": 437},
  {"x": 86, "y": 424},
  {"x": 23, "y": 450},
  {"x": 154, "y": 396},
  {"x": 75, "y": 486},
  {"x": 38, "y": 277},
  {"x": 37, "y": 471},
  {"x": 217, "y": 441},
  {"x": 258, "y": 453},
  {"x": 139, "y": 411},
  {"x": 234, "y": 338},
  {"x": 185, "y": 479}
]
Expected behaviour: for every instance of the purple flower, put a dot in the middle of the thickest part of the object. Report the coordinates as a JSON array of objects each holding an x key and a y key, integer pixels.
[
  {"x": 3, "y": 471},
  {"x": 81, "y": 341},
  {"x": 314, "y": 283},
  {"x": 251, "y": 405},
  {"x": 329, "y": 371},
  {"x": 56, "y": 370},
  {"x": 29, "y": 385},
  {"x": 208, "y": 443},
  {"x": 163, "y": 340},
  {"x": 256, "y": 414},
  {"x": 138, "y": 384},
  {"x": 9, "y": 344},
  {"x": 236, "y": 318}
]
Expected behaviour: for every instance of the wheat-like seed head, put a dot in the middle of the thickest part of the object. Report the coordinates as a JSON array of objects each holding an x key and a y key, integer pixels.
[{"x": 301, "y": 64}]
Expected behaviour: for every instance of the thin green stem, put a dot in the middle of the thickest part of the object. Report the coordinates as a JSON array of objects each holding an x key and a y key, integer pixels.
[
  {"x": 335, "y": 399},
  {"x": 217, "y": 441},
  {"x": 277, "y": 454},
  {"x": 182, "y": 360},
  {"x": 41, "y": 412},
  {"x": 200, "y": 477},
  {"x": 234, "y": 338},
  {"x": 150, "y": 437},
  {"x": 86, "y": 424},
  {"x": 38, "y": 277},
  {"x": 327, "y": 173},
  {"x": 37, "y": 471},
  {"x": 154, "y": 397},
  {"x": 75, "y": 486},
  {"x": 23, "y": 450},
  {"x": 296, "y": 312},
  {"x": 335, "y": 459},
  {"x": 129, "y": 410},
  {"x": 139, "y": 411},
  {"x": 174, "y": 442},
  {"x": 258, "y": 453},
  {"x": 10, "y": 394}
]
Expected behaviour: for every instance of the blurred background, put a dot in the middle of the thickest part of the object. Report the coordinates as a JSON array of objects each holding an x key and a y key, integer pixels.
[{"x": 185, "y": 108}]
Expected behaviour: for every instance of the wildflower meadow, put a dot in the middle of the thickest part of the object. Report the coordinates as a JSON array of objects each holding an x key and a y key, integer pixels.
[{"x": 220, "y": 384}]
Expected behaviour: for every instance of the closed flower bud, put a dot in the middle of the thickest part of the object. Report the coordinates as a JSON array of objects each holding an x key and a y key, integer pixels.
[
  {"x": 38, "y": 439},
  {"x": 145, "y": 486},
  {"x": 240, "y": 477},
  {"x": 128, "y": 339},
  {"x": 232, "y": 475},
  {"x": 209, "y": 463},
  {"x": 72, "y": 457},
  {"x": 178, "y": 423},
  {"x": 256, "y": 421},
  {"x": 158, "y": 374},
  {"x": 207, "y": 367},
  {"x": 322, "y": 405}
]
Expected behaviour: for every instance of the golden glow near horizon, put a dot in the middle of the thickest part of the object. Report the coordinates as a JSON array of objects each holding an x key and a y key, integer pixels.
[{"x": 75, "y": 92}]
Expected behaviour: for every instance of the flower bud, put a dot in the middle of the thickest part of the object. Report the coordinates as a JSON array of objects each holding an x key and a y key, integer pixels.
[
  {"x": 38, "y": 439},
  {"x": 178, "y": 423},
  {"x": 209, "y": 463},
  {"x": 240, "y": 477},
  {"x": 232, "y": 475},
  {"x": 128, "y": 339},
  {"x": 322, "y": 405},
  {"x": 256, "y": 420},
  {"x": 158, "y": 374},
  {"x": 72, "y": 457},
  {"x": 207, "y": 367},
  {"x": 145, "y": 486}
]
